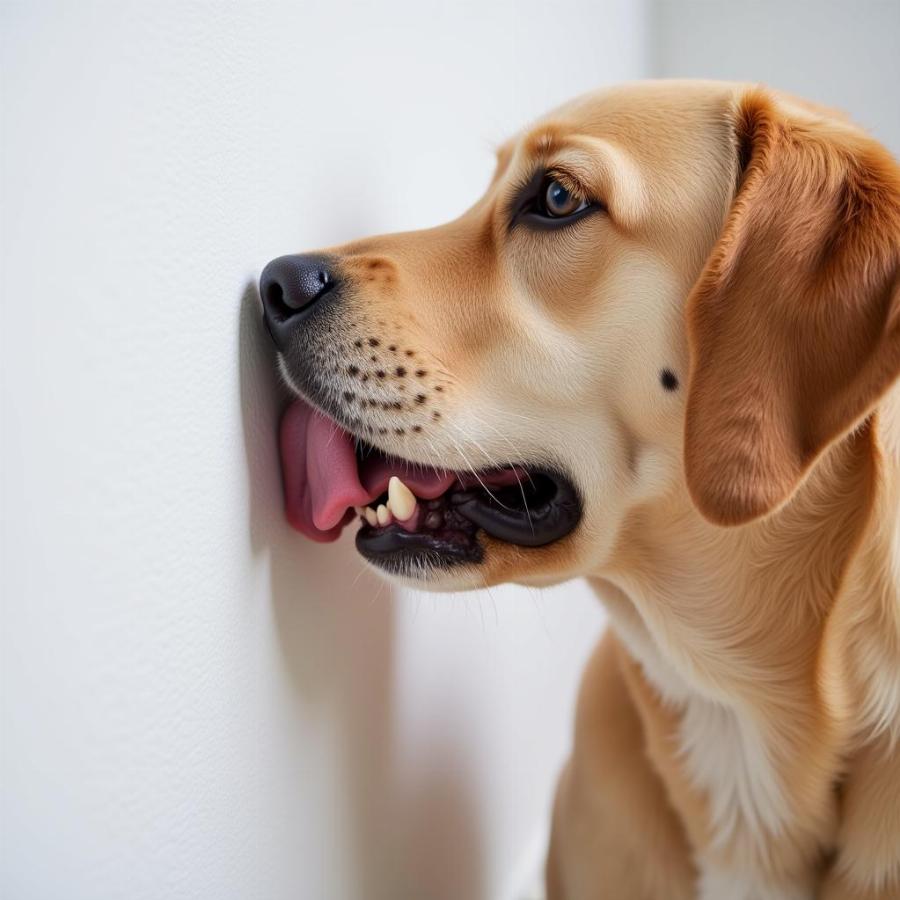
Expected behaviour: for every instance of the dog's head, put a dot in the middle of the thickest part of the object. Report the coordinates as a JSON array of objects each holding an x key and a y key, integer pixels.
[{"x": 667, "y": 287}]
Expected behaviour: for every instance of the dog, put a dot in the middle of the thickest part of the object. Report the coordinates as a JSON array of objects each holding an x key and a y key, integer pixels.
[{"x": 661, "y": 352}]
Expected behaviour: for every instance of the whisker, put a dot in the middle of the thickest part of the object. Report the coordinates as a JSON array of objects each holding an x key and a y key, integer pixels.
[
  {"x": 514, "y": 468},
  {"x": 477, "y": 477},
  {"x": 359, "y": 574}
]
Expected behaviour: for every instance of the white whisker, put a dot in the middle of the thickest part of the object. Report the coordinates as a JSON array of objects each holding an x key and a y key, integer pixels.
[{"x": 511, "y": 465}]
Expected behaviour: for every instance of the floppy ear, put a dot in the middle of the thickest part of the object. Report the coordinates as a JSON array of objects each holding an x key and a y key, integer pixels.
[{"x": 794, "y": 323}]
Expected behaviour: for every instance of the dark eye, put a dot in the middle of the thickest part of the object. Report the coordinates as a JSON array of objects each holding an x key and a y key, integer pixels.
[
  {"x": 557, "y": 201},
  {"x": 550, "y": 200}
]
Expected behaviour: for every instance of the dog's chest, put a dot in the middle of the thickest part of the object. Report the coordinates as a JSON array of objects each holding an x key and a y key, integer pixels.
[
  {"x": 718, "y": 884},
  {"x": 727, "y": 757}
]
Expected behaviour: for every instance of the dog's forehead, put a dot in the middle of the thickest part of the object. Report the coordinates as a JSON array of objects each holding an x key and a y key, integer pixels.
[
  {"x": 649, "y": 119},
  {"x": 672, "y": 143}
]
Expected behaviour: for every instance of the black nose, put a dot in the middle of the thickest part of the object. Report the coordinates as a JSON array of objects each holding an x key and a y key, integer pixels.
[{"x": 290, "y": 287}]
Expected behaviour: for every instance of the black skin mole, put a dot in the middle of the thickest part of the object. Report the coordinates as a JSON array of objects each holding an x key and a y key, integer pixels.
[{"x": 668, "y": 380}]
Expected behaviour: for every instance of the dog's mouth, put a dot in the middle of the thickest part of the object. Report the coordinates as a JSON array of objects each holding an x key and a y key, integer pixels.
[{"x": 413, "y": 516}]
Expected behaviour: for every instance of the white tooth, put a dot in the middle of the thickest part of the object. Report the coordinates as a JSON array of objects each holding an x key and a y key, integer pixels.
[
  {"x": 401, "y": 499},
  {"x": 371, "y": 518},
  {"x": 383, "y": 515}
]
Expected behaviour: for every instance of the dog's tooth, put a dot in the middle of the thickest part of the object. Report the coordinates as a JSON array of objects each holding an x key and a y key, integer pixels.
[
  {"x": 401, "y": 500},
  {"x": 371, "y": 517},
  {"x": 383, "y": 515},
  {"x": 360, "y": 511}
]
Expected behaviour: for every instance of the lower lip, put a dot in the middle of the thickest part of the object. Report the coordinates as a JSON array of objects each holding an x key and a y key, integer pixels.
[
  {"x": 447, "y": 527},
  {"x": 443, "y": 537}
]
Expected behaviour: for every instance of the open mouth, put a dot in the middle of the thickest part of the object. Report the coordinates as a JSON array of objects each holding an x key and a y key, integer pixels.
[{"x": 413, "y": 515}]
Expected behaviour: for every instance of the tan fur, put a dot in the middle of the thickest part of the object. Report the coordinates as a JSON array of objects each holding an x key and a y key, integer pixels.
[
  {"x": 739, "y": 736},
  {"x": 795, "y": 321},
  {"x": 612, "y": 822}
]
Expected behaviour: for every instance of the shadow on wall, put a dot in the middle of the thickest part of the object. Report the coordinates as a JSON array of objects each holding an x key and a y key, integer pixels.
[{"x": 414, "y": 828}]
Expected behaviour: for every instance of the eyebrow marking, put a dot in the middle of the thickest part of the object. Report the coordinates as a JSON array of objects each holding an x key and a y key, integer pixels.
[{"x": 545, "y": 140}]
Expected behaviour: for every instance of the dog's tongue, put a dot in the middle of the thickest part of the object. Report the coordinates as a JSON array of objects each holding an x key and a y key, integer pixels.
[{"x": 323, "y": 480}]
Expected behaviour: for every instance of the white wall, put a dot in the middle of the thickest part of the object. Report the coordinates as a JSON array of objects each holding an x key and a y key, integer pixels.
[
  {"x": 196, "y": 703},
  {"x": 842, "y": 53}
]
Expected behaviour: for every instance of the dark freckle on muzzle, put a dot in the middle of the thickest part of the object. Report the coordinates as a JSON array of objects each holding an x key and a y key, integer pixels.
[{"x": 380, "y": 388}]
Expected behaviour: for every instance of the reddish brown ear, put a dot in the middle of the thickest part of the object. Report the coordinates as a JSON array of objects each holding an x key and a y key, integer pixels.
[{"x": 794, "y": 323}]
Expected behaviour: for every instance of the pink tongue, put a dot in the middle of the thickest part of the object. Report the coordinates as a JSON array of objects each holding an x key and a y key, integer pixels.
[{"x": 322, "y": 481}]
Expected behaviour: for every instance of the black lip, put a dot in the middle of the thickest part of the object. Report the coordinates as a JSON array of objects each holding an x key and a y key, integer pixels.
[
  {"x": 543, "y": 509},
  {"x": 554, "y": 514},
  {"x": 401, "y": 551},
  {"x": 445, "y": 539}
]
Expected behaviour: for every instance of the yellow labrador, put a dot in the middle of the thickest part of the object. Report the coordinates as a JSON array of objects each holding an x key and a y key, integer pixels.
[{"x": 660, "y": 353}]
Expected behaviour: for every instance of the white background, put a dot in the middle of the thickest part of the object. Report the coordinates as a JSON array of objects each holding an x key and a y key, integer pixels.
[{"x": 196, "y": 703}]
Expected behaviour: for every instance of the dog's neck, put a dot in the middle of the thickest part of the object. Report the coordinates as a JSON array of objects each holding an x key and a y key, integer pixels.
[
  {"x": 740, "y": 614},
  {"x": 774, "y": 648}
]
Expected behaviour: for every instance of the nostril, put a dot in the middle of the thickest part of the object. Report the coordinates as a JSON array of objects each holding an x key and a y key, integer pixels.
[
  {"x": 275, "y": 295},
  {"x": 290, "y": 287},
  {"x": 326, "y": 283}
]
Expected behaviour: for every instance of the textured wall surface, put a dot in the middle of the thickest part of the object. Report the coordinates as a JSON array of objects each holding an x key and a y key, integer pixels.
[{"x": 195, "y": 702}]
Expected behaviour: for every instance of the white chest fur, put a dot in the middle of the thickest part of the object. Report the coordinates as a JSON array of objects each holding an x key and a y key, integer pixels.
[
  {"x": 717, "y": 884},
  {"x": 728, "y": 758}
]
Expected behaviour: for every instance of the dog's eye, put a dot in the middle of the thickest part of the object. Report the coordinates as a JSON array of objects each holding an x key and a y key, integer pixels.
[
  {"x": 550, "y": 200},
  {"x": 557, "y": 201}
]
